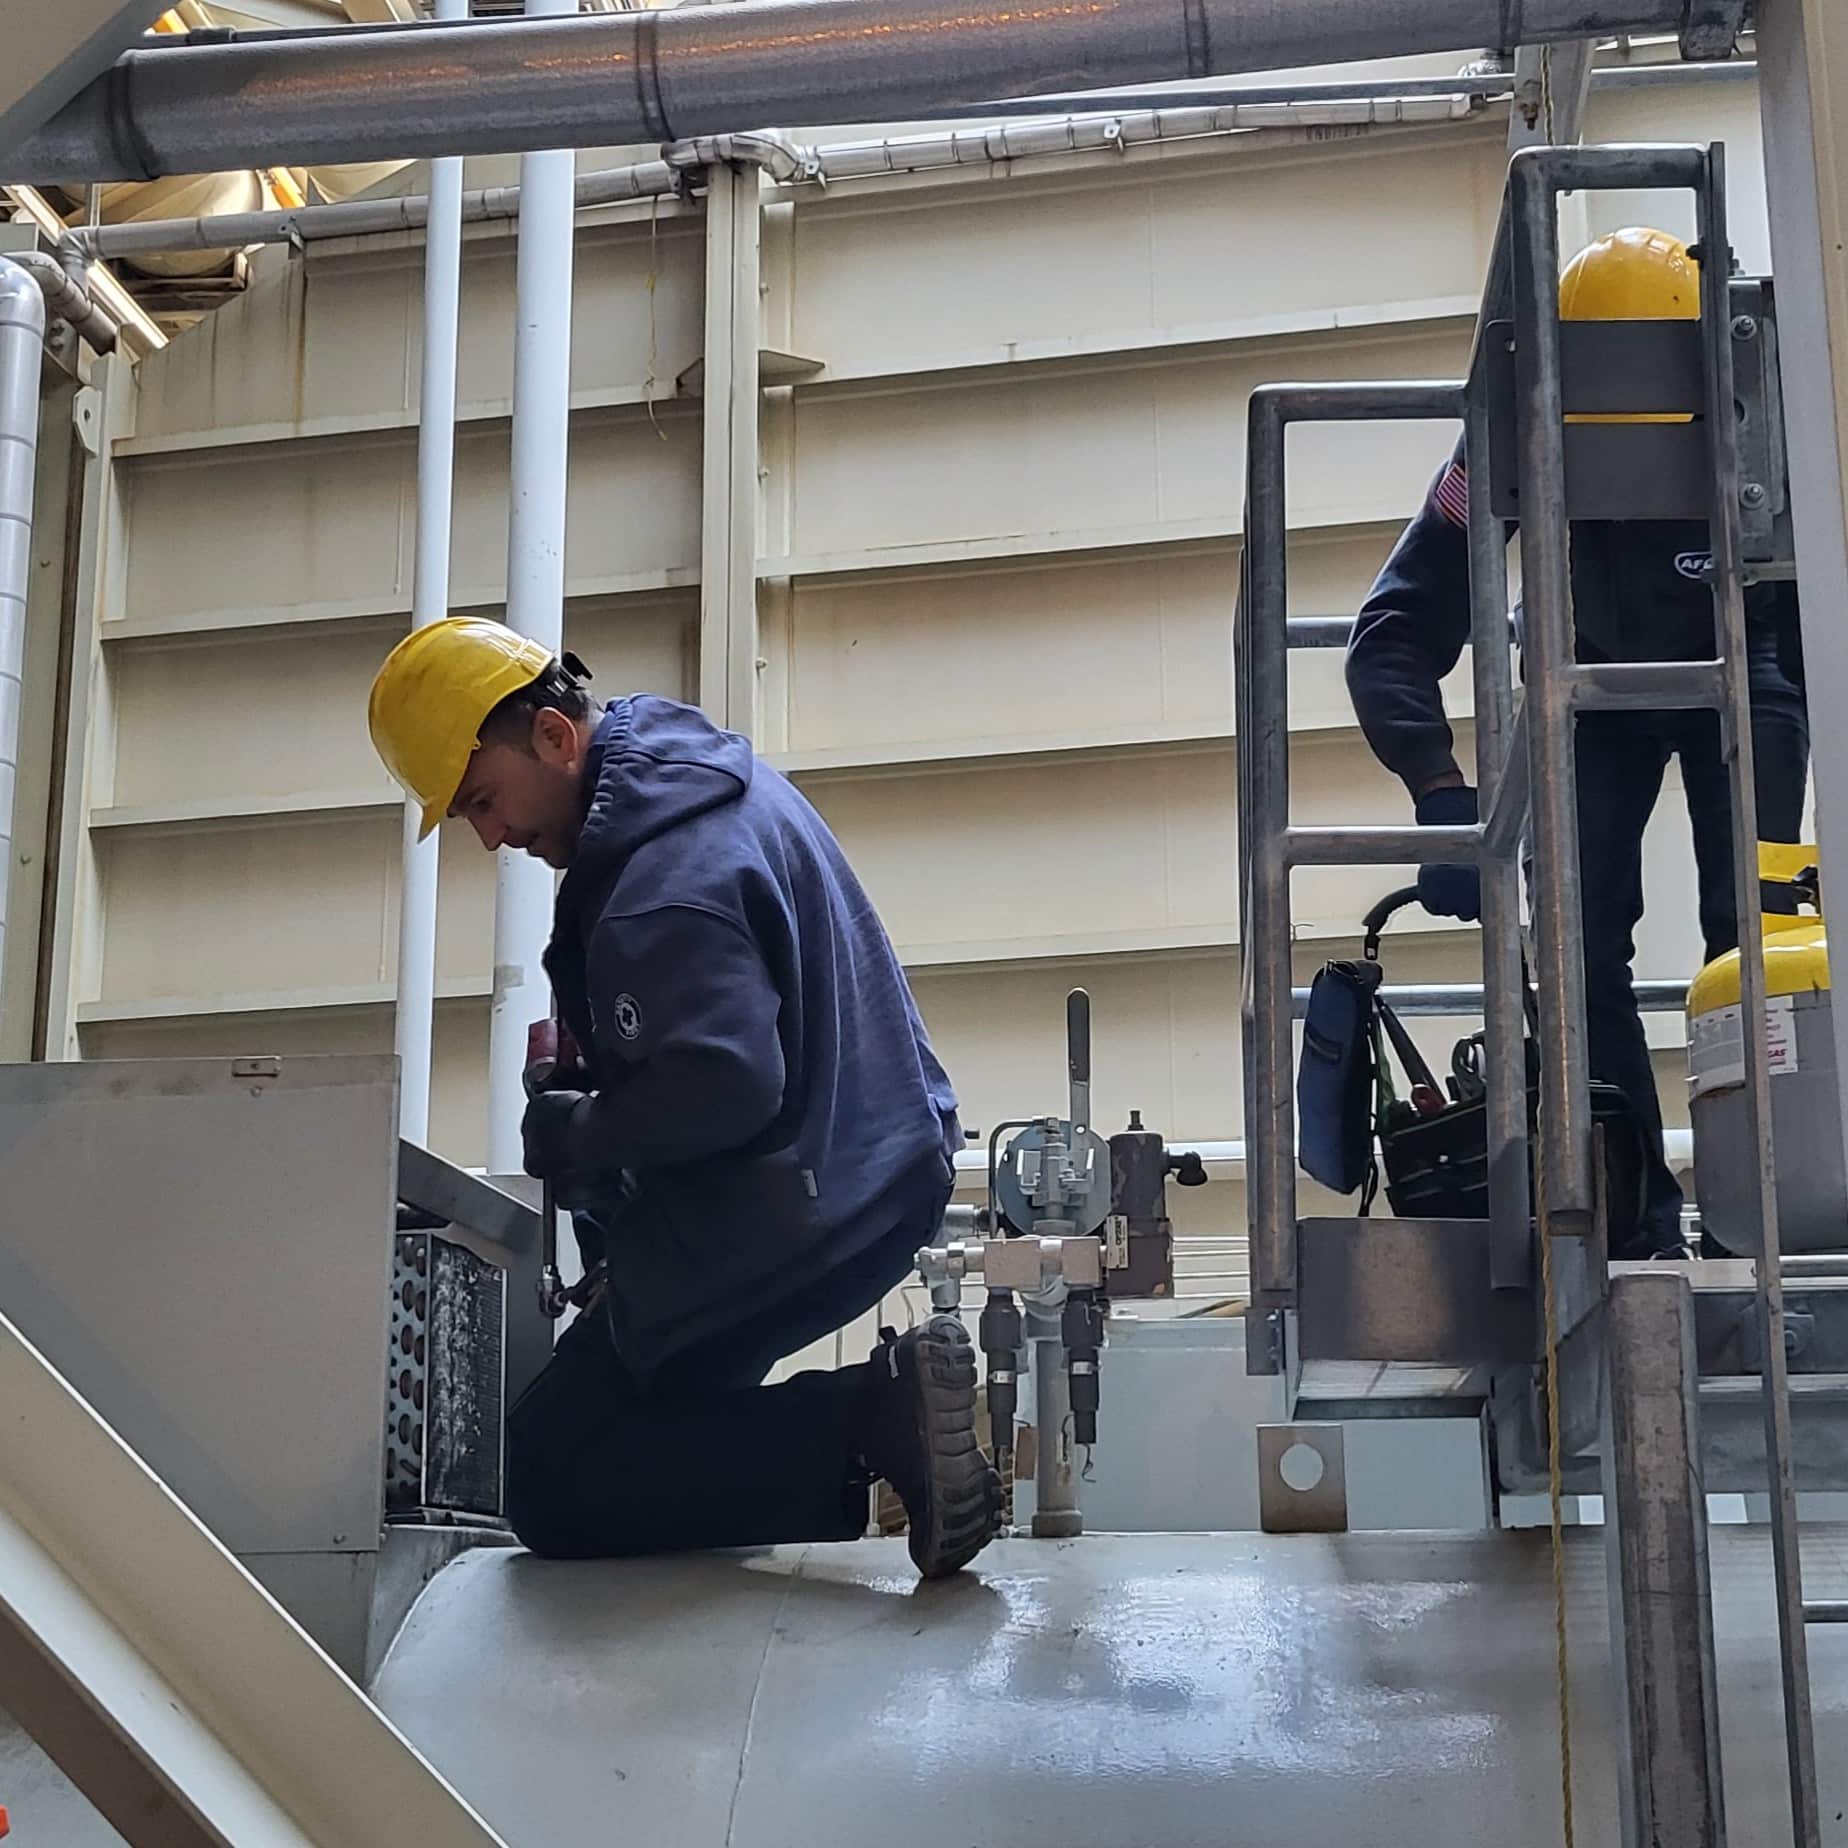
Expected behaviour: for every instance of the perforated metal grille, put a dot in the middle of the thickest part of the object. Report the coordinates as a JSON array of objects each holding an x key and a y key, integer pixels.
[{"x": 445, "y": 1395}]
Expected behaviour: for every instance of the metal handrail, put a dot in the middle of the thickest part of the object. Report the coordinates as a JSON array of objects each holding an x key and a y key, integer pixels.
[{"x": 1525, "y": 775}]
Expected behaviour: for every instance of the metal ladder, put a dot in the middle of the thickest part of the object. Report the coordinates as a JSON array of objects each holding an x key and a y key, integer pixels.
[{"x": 1526, "y": 774}]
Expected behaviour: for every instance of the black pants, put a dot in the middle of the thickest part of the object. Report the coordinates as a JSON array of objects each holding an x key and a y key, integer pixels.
[
  {"x": 1621, "y": 757},
  {"x": 703, "y": 1454}
]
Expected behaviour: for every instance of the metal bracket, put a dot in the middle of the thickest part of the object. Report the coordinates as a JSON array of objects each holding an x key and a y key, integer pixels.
[
  {"x": 1710, "y": 28},
  {"x": 1314, "y": 1503}
]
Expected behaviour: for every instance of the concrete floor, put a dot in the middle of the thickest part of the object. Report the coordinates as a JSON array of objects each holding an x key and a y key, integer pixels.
[{"x": 1149, "y": 1691}]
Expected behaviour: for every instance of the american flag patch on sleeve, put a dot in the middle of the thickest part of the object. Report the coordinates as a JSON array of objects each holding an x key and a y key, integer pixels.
[{"x": 1451, "y": 494}]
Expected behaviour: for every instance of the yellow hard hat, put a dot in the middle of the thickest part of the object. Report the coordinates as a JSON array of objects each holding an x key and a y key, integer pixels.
[
  {"x": 1635, "y": 274},
  {"x": 431, "y": 696}
]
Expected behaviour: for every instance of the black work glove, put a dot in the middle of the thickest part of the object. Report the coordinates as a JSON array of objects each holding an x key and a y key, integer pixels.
[
  {"x": 554, "y": 1134},
  {"x": 1449, "y": 890}
]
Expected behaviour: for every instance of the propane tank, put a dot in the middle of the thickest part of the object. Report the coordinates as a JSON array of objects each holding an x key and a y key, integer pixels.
[{"x": 1812, "y": 1195}]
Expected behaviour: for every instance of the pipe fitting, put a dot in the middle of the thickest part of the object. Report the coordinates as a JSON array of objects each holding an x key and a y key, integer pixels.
[
  {"x": 67, "y": 299},
  {"x": 786, "y": 161}
]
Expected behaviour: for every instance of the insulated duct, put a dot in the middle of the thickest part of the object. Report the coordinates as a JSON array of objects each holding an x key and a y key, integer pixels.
[
  {"x": 423, "y": 91},
  {"x": 22, "y": 345}
]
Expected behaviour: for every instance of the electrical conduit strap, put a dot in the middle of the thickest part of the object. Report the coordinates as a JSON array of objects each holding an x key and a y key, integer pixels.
[{"x": 1199, "y": 39}]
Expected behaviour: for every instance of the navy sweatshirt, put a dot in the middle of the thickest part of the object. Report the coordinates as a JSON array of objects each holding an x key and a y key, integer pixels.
[
  {"x": 1638, "y": 594},
  {"x": 763, "y": 1081}
]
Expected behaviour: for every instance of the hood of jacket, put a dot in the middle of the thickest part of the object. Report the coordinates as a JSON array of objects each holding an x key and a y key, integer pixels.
[{"x": 654, "y": 765}]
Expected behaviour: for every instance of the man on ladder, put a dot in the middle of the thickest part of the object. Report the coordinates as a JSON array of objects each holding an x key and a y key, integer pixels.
[{"x": 1640, "y": 592}]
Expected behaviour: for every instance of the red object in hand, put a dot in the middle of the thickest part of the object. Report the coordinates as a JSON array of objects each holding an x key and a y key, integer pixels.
[
  {"x": 542, "y": 1056},
  {"x": 550, "y": 1052}
]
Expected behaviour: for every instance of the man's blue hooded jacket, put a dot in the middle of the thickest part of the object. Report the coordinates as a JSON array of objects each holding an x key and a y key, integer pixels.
[{"x": 764, "y": 1085}]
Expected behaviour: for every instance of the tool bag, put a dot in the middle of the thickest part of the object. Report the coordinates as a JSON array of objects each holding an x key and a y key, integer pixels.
[{"x": 1432, "y": 1145}]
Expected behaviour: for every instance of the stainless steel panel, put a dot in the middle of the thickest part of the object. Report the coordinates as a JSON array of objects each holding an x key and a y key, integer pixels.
[
  {"x": 202, "y": 1247},
  {"x": 1407, "y": 1289}
]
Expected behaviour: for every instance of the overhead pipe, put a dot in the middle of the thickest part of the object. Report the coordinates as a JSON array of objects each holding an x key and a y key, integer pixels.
[
  {"x": 1113, "y": 132},
  {"x": 784, "y": 160},
  {"x": 535, "y": 591},
  {"x": 514, "y": 86},
  {"x": 1146, "y": 116},
  {"x": 22, "y": 345},
  {"x": 353, "y": 218},
  {"x": 415, "y": 1016}
]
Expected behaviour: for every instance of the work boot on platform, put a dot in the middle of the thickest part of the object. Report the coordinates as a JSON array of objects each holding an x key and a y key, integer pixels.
[{"x": 916, "y": 1430}]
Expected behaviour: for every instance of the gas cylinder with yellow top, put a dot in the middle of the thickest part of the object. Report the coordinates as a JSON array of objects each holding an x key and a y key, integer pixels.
[{"x": 1812, "y": 1196}]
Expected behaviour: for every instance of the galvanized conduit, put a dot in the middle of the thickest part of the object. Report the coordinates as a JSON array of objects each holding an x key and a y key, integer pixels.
[
  {"x": 785, "y": 161},
  {"x": 413, "y": 93},
  {"x": 1470, "y": 83}
]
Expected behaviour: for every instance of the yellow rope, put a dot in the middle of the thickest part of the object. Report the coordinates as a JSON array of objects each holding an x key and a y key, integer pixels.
[{"x": 1555, "y": 1486}]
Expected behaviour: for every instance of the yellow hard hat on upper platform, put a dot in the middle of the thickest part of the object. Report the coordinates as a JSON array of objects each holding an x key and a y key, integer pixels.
[
  {"x": 430, "y": 698},
  {"x": 1636, "y": 274}
]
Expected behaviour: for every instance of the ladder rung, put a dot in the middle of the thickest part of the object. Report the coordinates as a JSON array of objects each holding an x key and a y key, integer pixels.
[{"x": 1826, "y": 1610}]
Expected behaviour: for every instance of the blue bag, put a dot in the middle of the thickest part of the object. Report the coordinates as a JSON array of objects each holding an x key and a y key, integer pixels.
[{"x": 1334, "y": 1081}]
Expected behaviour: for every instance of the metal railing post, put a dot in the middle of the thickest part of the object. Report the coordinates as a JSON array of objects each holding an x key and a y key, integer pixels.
[
  {"x": 1546, "y": 590},
  {"x": 1271, "y": 1131},
  {"x": 1668, "y": 1738},
  {"x": 1503, "y": 1019},
  {"x": 1268, "y": 846},
  {"x": 1729, "y": 620}
]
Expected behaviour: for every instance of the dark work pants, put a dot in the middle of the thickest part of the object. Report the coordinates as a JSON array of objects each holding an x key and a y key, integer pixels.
[
  {"x": 1621, "y": 757},
  {"x": 702, "y": 1454}
]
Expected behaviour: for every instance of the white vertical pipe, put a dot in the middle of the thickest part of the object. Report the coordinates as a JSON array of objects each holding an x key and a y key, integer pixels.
[
  {"x": 436, "y": 454},
  {"x": 22, "y": 347},
  {"x": 729, "y": 494},
  {"x": 535, "y": 590}
]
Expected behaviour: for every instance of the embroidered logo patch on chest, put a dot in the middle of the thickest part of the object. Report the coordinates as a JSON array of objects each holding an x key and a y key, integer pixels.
[{"x": 626, "y": 1017}]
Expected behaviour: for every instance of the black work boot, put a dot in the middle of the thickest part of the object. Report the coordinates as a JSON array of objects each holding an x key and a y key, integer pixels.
[{"x": 916, "y": 1430}]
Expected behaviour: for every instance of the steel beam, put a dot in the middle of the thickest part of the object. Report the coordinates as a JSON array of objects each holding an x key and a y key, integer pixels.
[{"x": 165, "y": 1682}]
